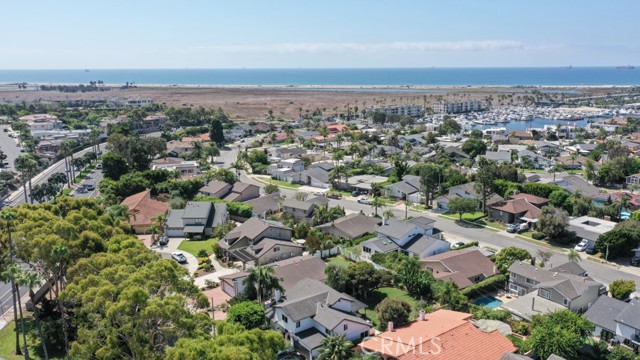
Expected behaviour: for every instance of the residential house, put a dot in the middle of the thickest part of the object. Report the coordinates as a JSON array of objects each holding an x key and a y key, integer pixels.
[
  {"x": 520, "y": 135},
  {"x": 151, "y": 123},
  {"x": 216, "y": 189},
  {"x": 176, "y": 148},
  {"x": 183, "y": 167},
  {"x": 198, "y": 218},
  {"x": 42, "y": 122},
  {"x": 443, "y": 335},
  {"x": 464, "y": 267},
  {"x": 543, "y": 290},
  {"x": 573, "y": 184},
  {"x": 633, "y": 179},
  {"x": 360, "y": 183},
  {"x": 311, "y": 311},
  {"x": 632, "y": 200},
  {"x": 350, "y": 226},
  {"x": 407, "y": 189},
  {"x": 589, "y": 228},
  {"x": 468, "y": 191},
  {"x": 317, "y": 176},
  {"x": 456, "y": 153},
  {"x": 529, "y": 158},
  {"x": 300, "y": 210},
  {"x": 289, "y": 170},
  {"x": 266, "y": 205},
  {"x": 546, "y": 149},
  {"x": 571, "y": 163},
  {"x": 582, "y": 149},
  {"x": 258, "y": 241},
  {"x": 289, "y": 271},
  {"x": 143, "y": 210},
  {"x": 616, "y": 320},
  {"x": 518, "y": 209},
  {"x": 284, "y": 153},
  {"x": 238, "y": 192},
  {"x": 412, "y": 237},
  {"x": 199, "y": 138},
  {"x": 500, "y": 157}
]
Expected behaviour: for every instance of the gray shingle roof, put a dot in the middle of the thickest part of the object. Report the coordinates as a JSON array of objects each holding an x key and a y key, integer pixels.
[
  {"x": 570, "y": 267},
  {"x": 253, "y": 227},
  {"x": 296, "y": 204},
  {"x": 265, "y": 203},
  {"x": 604, "y": 311},
  {"x": 197, "y": 209},
  {"x": 395, "y": 228},
  {"x": 174, "y": 218},
  {"x": 317, "y": 173},
  {"x": 330, "y": 318},
  {"x": 422, "y": 221},
  {"x": 403, "y": 187},
  {"x": 353, "y": 225},
  {"x": 420, "y": 243},
  {"x": 213, "y": 187},
  {"x": 383, "y": 244},
  {"x": 630, "y": 315},
  {"x": 310, "y": 338}
]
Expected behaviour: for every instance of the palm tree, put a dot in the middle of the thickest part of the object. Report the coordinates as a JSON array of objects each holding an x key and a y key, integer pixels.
[
  {"x": 377, "y": 203},
  {"x": 154, "y": 230},
  {"x": 324, "y": 132},
  {"x": 574, "y": 256},
  {"x": 8, "y": 218},
  {"x": 31, "y": 280},
  {"x": 118, "y": 213},
  {"x": 13, "y": 273},
  {"x": 407, "y": 205},
  {"x": 264, "y": 280},
  {"x": 590, "y": 170},
  {"x": 26, "y": 164},
  {"x": 388, "y": 214},
  {"x": 556, "y": 168},
  {"x": 335, "y": 347}
]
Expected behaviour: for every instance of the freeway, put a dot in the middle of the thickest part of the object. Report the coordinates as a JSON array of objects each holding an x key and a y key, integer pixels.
[{"x": 455, "y": 231}]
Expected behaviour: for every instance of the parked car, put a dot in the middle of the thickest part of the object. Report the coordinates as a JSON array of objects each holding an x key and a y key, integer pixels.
[
  {"x": 163, "y": 241},
  {"x": 517, "y": 228},
  {"x": 582, "y": 245},
  {"x": 364, "y": 200},
  {"x": 318, "y": 193},
  {"x": 591, "y": 250},
  {"x": 635, "y": 261},
  {"x": 179, "y": 257},
  {"x": 456, "y": 245},
  {"x": 336, "y": 196},
  {"x": 91, "y": 187}
]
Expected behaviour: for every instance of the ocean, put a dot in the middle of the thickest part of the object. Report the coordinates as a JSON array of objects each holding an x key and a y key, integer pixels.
[{"x": 414, "y": 77}]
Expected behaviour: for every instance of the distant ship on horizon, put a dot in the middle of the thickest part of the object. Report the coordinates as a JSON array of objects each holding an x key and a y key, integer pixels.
[{"x": 626, "y": 67}]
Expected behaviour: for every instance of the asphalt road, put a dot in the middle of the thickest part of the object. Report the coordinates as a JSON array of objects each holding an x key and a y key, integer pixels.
[
  {"x": 9, "y": 146},
  {"x": 94, "y": 178}
]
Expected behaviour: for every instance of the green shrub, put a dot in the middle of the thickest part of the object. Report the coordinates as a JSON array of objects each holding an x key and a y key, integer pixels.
[
  {"x": 467, "y": 245},
  {"x": 202, "y": 253},
  {"x": 538, "y": 236},
  {"x": 486, "y": 285}
]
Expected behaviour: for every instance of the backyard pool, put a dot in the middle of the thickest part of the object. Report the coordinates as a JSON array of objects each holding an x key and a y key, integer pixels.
[{"x": 488, "y": 301}]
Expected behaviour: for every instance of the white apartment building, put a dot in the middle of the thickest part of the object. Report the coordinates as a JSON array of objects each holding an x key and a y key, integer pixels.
[{"x": 458, "y": 107}]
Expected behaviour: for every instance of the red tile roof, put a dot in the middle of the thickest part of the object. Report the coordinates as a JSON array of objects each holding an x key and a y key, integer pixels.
[
  {"x": 443, "y": 335},
  {"x": 200, "y": 138},
  {"x": 144, "y": 208}
]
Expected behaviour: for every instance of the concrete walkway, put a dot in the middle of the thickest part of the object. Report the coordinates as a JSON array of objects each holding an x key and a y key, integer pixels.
[
  {"x": 214, "y": 276},
  {"x": 165, "y": 251}
]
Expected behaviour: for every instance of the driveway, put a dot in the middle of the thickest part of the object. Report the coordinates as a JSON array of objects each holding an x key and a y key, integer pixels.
[{"x": 165, "y": 252}]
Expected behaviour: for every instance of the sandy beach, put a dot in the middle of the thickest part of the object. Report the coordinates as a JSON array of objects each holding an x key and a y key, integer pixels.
[{"x": 253, "y": 102}]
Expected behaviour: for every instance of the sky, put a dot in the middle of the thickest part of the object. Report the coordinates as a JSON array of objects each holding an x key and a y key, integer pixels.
[{"x": 136, "y": 34}]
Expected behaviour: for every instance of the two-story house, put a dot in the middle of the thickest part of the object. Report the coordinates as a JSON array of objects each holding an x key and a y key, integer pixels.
[
  {"x": 311, "y": 311},
  {"x": 183, "y": 167},
  {"x": 543, "y": 290},
  {"x": 616, "y": 320},
  {"x": 198, "y": 218},
  {"x": 259, "y": 241},
  {"x": 287, "y": 170},
  {"x": 300, "y": 210},
  {"x": 407, "y": 189},
  {"x": 237, "y": 192},
  {"x": 411, "y": 237}
]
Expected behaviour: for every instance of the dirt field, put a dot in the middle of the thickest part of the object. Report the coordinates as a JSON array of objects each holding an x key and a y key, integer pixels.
[{"x": 254, "y": 103}]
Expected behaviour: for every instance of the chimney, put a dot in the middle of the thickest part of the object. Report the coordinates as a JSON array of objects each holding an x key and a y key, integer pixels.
[
  {"x": 390, "y": 326},
  {"x": 422, "y": 313},
  {"x": 384, "y": 221},
  {"x": 277, "y": 295},
  {"x": 533, "y": 261},
  {"x": 533, "y": 303}
]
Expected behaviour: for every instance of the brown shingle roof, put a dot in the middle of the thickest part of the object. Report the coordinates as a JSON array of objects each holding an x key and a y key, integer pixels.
[
  {"x": 144, "y": 208},
  {"x": 532, "y": 199},
  {"x": 518, "y": 206},
  {"x": 460, "y": 265}
]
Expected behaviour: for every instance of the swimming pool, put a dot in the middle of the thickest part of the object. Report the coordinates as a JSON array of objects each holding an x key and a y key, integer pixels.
[{"x": 488, "y": 301}]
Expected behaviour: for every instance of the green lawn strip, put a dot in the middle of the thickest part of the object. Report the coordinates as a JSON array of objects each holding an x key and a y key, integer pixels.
[
  {"x": 194, "y": 246},
  {"x": 541, "y": 243},
  {"x": 386, "y": 292},
  {"x": 86, "y": 171},
  {"x": 279, "y": 183},
  {"x": 338, "y": 260},
  {"x": 8, "y": 343}
]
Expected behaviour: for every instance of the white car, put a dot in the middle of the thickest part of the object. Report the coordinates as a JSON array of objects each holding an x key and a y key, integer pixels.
[
  {"x": 582, "y": 245},
  {"x": 179, "y": 257},
  {"x": 318, "y": 193},
  {"x": 364, "y": 200}
]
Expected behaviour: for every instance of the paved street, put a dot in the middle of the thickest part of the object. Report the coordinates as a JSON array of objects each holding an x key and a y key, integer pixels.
[
  {"x": 9, "y": 146},
  {"x": 93, "y": 179}
]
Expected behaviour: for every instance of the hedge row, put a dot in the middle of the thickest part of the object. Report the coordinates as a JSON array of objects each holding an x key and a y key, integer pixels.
[{"x": 485, "y": 286}]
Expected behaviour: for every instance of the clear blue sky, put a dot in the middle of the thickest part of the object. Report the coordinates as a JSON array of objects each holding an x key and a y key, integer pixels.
[{"x": 71, "y": 34}]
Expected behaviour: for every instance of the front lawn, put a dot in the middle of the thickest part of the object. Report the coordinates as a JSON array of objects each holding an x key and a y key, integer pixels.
[
  {"x": 386, "y": 292},
  {"x": 8, "y": 343},
  {"x": 194, "y": 246},
  {"x": 278, "y": 183},
  {"x": 338, "y": 260},
  {"x": 473, "y": 217}
]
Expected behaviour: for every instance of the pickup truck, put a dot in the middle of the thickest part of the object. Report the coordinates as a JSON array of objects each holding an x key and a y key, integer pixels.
[{"x": 517, "y": 228}]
